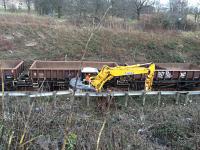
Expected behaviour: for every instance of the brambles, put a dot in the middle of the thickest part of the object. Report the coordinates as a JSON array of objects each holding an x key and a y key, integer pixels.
[{"x": 175, "y": 126}]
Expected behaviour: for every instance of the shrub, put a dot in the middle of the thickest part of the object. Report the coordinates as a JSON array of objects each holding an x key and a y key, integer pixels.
[
  {"x": 190, "y": 25},
  {"x": 151, "y": 45},
  {"x": 166, "y": 24},
  {"x": 171, "y": 45},
  {"x": 12, "y": 8},
  {"x": 152, "y": 22},
  {"x": 163, "y": 21}
]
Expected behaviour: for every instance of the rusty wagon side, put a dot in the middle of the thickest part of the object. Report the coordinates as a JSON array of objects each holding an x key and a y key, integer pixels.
[
  {"x": 177, "y": 76},
  {"x": 10, "y": 70},
  {"x": 57, "y": 74}
]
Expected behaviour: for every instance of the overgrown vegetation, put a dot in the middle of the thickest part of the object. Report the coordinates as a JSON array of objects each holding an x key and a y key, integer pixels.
[
  {"x": 44, "y": 122},
  {"x": 30, "y": 38}
]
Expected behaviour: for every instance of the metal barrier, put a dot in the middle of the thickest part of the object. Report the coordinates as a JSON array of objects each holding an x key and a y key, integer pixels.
[
  {"x": 93, "y": 94},
  {"x": 127, "y": 95}
]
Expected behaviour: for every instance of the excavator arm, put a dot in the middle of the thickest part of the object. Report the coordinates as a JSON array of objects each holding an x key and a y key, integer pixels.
[{"x": 107, "y": 73}]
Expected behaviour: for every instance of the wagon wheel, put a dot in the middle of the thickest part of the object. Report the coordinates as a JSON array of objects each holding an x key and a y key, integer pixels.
[
  {"x": 46, "y": 87},
  {"x": 133, "y": 86},
  {"x": 139, "y": 86},
  {"x": 9, "y": 87}
]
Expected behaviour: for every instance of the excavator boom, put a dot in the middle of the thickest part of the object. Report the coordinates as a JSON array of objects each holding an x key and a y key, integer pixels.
[{"x": 107, "y": 73}]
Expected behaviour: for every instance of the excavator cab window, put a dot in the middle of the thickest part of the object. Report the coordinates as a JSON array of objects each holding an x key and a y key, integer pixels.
[{"x": 87, "y": 73}]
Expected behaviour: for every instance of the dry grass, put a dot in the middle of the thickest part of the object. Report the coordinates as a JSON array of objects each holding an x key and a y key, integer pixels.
[
  {"x": 33, "y": 37},
  {"x": 132, "y": 127}
]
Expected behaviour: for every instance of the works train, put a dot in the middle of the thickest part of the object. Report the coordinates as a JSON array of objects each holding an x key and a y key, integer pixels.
[{"x": 56, "y": 75}]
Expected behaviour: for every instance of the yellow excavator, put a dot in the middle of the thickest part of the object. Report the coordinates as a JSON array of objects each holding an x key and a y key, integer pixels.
[{"x": 107, "y": 73}]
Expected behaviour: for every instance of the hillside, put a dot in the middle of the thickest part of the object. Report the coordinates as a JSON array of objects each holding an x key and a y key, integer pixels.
[{"x": 31, "y": 37}]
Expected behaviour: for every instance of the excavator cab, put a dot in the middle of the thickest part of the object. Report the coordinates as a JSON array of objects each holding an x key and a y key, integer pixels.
[{"x": 83, "y": 82}]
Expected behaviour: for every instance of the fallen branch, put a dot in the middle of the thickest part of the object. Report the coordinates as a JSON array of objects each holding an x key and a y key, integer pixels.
[{"x": 100, "y": 133}]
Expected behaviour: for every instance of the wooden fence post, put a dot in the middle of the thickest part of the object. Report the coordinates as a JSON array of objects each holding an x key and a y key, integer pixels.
[
  {"x": 177, "y": 98},
  {"x": 159, "y": 99},
  {"x": 187, "y": 98},
  {"x": 126, "y": 99},
  {"x": 54, "y": 95},
  {"x": 87, "y": 99},
  {"x": 54, "y": 99},
  {"x": 144, "y": 98}
]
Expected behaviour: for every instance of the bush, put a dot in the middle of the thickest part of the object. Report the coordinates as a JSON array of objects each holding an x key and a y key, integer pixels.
[
  {"x": 152, "y": 22},
  {"x": 163, "y": 21},
  {"x": 171, "y": 45},
  {"x": 166, "y": 24},
  {"x": 190, "y": 25},
  {"x": 12, "y": 8},
  {"x": 151, "y": 45},
  {"x": 171, "y": 135},
  {"x": 186, "y": 25}
]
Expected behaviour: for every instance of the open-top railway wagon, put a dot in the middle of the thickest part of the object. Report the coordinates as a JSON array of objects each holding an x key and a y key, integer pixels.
[
  {"x": 56, "y": 75},
  {"x": 170, "y": 76},
  {"x": 177, "y": 76},
  {"x": 10, "y": 72}
]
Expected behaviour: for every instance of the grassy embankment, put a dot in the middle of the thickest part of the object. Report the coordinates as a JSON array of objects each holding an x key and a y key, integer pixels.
[{"x": 33, "y": 37}]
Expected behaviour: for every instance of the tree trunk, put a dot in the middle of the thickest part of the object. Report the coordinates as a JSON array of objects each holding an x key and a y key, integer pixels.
[
  {"x": 28, "y": 3},
  {"x": 29, "y": 8},
  {"x": 195, "y": 18},
  {"x": 59, "y": 9},
  {"x": 138, "y": 14},
  {"x": 97, "y": 8},
  {"x": 4, "y": 4},
  {"x": 59, "y": 12}
]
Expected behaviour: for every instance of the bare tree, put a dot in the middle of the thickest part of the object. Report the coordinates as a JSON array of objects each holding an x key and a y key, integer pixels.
[
  {"x": 178, "y": 13},
  {"x": 196, "y": 13},
  {"x": 179, "y": 7},
  {"x": 93, "y": 8},
  {"x": 97, "y": 7},
  {"x": 140, "y": 4},
  {"x": 49, "y": 7},
  {"x": 157, "y": 6},
  {"x": 81, "y": 7},
  {"x": 59, "y": 7},
  {"x": 28, "y": 4},
  {"x": 4, "y": 4}
]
